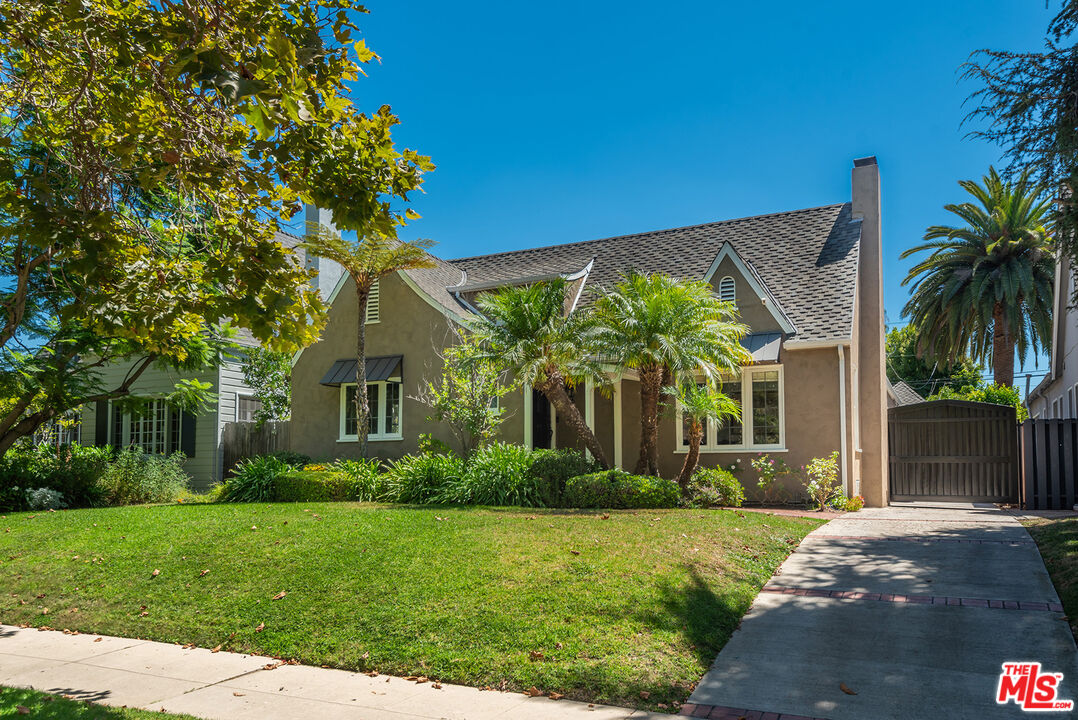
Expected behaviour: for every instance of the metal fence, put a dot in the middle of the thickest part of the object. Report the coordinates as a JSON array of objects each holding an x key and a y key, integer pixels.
[
  {"x": 245, "y": 439},
  {"x": 1049, "y": 464}
]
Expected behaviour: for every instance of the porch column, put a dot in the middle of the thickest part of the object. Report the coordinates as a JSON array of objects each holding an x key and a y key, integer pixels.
[
  {"x": 589, "y": 407},
  {"x": 617, "y": 423},
  {"x": 528, "y": 442}
]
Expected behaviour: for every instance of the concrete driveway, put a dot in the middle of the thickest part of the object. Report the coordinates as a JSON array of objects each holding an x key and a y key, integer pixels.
[{"x": 914, "y": 608}]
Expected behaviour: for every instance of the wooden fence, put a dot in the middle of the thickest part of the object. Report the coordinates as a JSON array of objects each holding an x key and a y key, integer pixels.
[
  {"x": 245, "y": 439},
  {"x": 1049, "y": 464}
]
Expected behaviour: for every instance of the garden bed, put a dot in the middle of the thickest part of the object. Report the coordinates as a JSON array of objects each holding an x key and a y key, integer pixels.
[{"x": 623, "y": 607}]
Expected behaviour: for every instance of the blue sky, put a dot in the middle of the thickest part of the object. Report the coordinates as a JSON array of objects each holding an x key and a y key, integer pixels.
[{"x": 568, "y": 121}]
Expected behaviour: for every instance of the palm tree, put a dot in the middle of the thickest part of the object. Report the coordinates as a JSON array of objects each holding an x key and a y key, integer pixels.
[
  {"x": 699, "y": 403},
  {"x": 663, "y": 327},
  {"x": 987, "y": 285},
  {"x": 526, "y": 329},
  {"x": 367, "y": 259}
]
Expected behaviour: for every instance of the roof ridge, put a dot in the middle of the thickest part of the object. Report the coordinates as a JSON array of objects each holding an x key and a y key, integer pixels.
[{"x": 651, "y": 232}]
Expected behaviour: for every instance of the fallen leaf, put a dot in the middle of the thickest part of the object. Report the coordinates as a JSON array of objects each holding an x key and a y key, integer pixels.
[
  {"x": 844, "y": 688},
  {"x": 218, "y": 648},
  {"x": 143, "y": 614},
  {"x": 575, "y": 552},
  {"x": 606, "y": 517},
  {"x": 437, "y": 686},
  {"x": 261, "y": 627},
  {"x": 644, "y": 694},
  {"x": 22, "y": 709},
  {"x": 203, "y": 573},
  {"x": 556, "y": 696},
  {"x": 280, "y": 595},
  {"x": 155, "y": 573},
  {"x": 238, "y": 694},
  {"x": 535, "y": 655},
  {"x": 99, "y": 639},
  {"x": 558, "y": 645}
]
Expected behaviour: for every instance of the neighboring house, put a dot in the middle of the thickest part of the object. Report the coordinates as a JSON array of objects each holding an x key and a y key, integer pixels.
[
  {"x": 166, "y": 430},
  {"x": 807, "y": 282},
  {"x": 1055, "y": 395},
  {"x": 902, "y": 394}
]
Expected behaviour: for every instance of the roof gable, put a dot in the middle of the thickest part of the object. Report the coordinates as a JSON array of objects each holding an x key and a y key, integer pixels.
[{"x": 728, "y": 257}]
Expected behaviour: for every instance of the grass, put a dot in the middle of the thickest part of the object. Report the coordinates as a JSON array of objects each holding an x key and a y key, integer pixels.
[
  {"x": 628, "y": 607},
  {"x": 42, "y": 706},
  {"x": 1057, "y": 539}
]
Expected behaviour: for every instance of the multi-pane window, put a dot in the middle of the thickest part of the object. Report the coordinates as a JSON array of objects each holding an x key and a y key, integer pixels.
[
  {"x": 384, "y": 403},
  {"x": 246, "y": 407},
  {"x": 155, "y": 428},
  {"x": 759, "y": 392}
]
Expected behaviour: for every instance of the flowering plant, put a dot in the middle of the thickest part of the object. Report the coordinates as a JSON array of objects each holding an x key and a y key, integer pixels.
[{"x": 769, "y": 470}]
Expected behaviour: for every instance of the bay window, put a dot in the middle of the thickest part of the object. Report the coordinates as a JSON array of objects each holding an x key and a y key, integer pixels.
[
  {"x": 761, "y": 425},
  {"x": 384, "y": 402}
]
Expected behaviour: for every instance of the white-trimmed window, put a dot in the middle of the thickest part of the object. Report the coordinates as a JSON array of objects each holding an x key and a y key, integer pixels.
[
  {"x": 246, "y": 407},
  {"x": 728, "y": 290},
  {"x": 155, "y": 428},
  {"x": 384, "y": 402},
  {"x": 762, "y": 425}
]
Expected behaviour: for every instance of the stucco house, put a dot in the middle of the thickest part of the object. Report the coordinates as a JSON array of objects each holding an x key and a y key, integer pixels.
[
  {"x": 166, "y": 429},
  {"x": 807, "y": 282},
  {"x": 1056, "y": 395}
]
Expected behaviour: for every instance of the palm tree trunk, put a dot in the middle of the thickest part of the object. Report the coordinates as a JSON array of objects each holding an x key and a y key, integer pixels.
[
  {"x": 554, "y": 390},
  {"x": 363, "y": 410},
  {"x": 1002, "y": 348},
  {"x": 651, "y": 378},
  {"x": 692, "y": 458}
]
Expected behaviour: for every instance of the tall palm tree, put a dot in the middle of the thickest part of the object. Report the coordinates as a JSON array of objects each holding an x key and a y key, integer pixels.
[
  {"x": 986, "y": 287},
  {"x": 660, "y": 326},
  {"x": 700, "y": 403},
  {"x": 366, "y": 260},
  {"x": 527, "y": 330}
]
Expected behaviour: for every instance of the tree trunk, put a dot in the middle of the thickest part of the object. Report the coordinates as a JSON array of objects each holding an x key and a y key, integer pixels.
[
  {"x": 651, "y": 378},
  {"x": 696, "y": 436},
  {"x": 554, "y": 390},
  {"x": 1002, "y": 348},
  {"x": 363, "y": 409}
]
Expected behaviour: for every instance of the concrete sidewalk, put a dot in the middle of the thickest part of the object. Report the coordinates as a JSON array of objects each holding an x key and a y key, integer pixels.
[
  {"x": 158, "y": 676},
  {"x": 912, "y": 608}
]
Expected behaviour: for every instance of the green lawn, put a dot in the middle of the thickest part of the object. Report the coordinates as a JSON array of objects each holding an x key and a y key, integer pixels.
[
  {"x": 1057, "y": 540},
  {"x": 41, "y": 706},
  {"x": 595, "y": 606}
]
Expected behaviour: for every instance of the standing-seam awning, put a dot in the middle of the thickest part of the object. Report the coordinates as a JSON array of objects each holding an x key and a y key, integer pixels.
[
  {"x": 763, "y": 346},
  {"x": 378, "y": 368}
]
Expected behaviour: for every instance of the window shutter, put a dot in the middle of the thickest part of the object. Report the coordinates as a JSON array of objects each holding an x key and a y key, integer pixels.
[
  {"x": 101, "y": 423},
  {"x": 187, "y": 434},
  {"x": 373, "y": 303}
]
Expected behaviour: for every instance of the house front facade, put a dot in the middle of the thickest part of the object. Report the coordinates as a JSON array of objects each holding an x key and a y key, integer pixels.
[
  {"x": 808, "y": 283},
  {"x": 1056, "y": 396}
]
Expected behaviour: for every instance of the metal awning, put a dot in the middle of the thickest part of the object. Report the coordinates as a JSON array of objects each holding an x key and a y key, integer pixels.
[
  {"x": 763, "y": 346},
  {"x": 378, "y": 368}
]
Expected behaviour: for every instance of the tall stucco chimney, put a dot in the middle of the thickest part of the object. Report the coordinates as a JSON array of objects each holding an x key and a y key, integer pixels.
[
  {"x": 328, "y": 272},
  {"x": 872, "y": 390}
]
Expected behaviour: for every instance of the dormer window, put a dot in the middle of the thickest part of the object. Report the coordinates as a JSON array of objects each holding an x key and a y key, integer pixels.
[{"x": 727, "y": 290}]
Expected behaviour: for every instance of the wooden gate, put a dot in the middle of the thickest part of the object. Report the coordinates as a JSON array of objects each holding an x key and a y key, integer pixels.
[
  {"x": 1049, "y": 464},
  {"x": 242, "y": 440},
  {"x": 953, "y": 450}
]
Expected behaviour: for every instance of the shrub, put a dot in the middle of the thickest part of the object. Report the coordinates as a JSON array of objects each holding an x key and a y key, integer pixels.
[
  {"x": 366, "y": 483},
  {"x": 71, "y": 470},
  {"x": 553, "y": 468},
  {"x": 714, "y": 487},
  {"x": 619, "y": 489},
  {"x": 855, "y": 503},
  {"x": 421, "y": 478},
  {"x": 253, "y": 479},
  {"x": 822, "y": 484},
  {"x": 136, "y": 478},
  {"x": 311, "y": 486},
  {"x": 44, "y": 499},
  {"x": 497, "y": 474},
  {"x": 769, "y": 471},
  {"x": 290, "y": 457}
]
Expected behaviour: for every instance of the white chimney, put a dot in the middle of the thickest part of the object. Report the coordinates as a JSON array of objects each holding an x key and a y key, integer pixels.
[{"x": 328, "y": 272}]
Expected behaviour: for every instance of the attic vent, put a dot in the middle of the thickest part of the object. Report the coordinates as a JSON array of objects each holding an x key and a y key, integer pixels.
[
  {"x": 373, "y": 303},
  {"x": 727, "y": 290}
]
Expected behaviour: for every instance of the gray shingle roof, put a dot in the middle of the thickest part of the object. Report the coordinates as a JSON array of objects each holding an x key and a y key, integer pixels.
[
  {"x": 905, "y": 395},
  {"x": 807, "y": 259}
]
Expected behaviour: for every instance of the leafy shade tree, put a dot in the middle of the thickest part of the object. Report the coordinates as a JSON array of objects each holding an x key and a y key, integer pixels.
[
  {"x": 664, "y": 327},
  {"x": 467, "y": 395},
  {"x": 995, "y": 394},
  {"x": 905, "y": 365},
  {"x": 148, "y": 149},
  {"x": 699, "y": 404},
  {"x": 526, "y": 329},
  {"x": 986, "y": 285},
  {"x": 269, "y": 374},
  {"x": 1024, "y": 102},
  {"x": 366, "y": 260}
]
